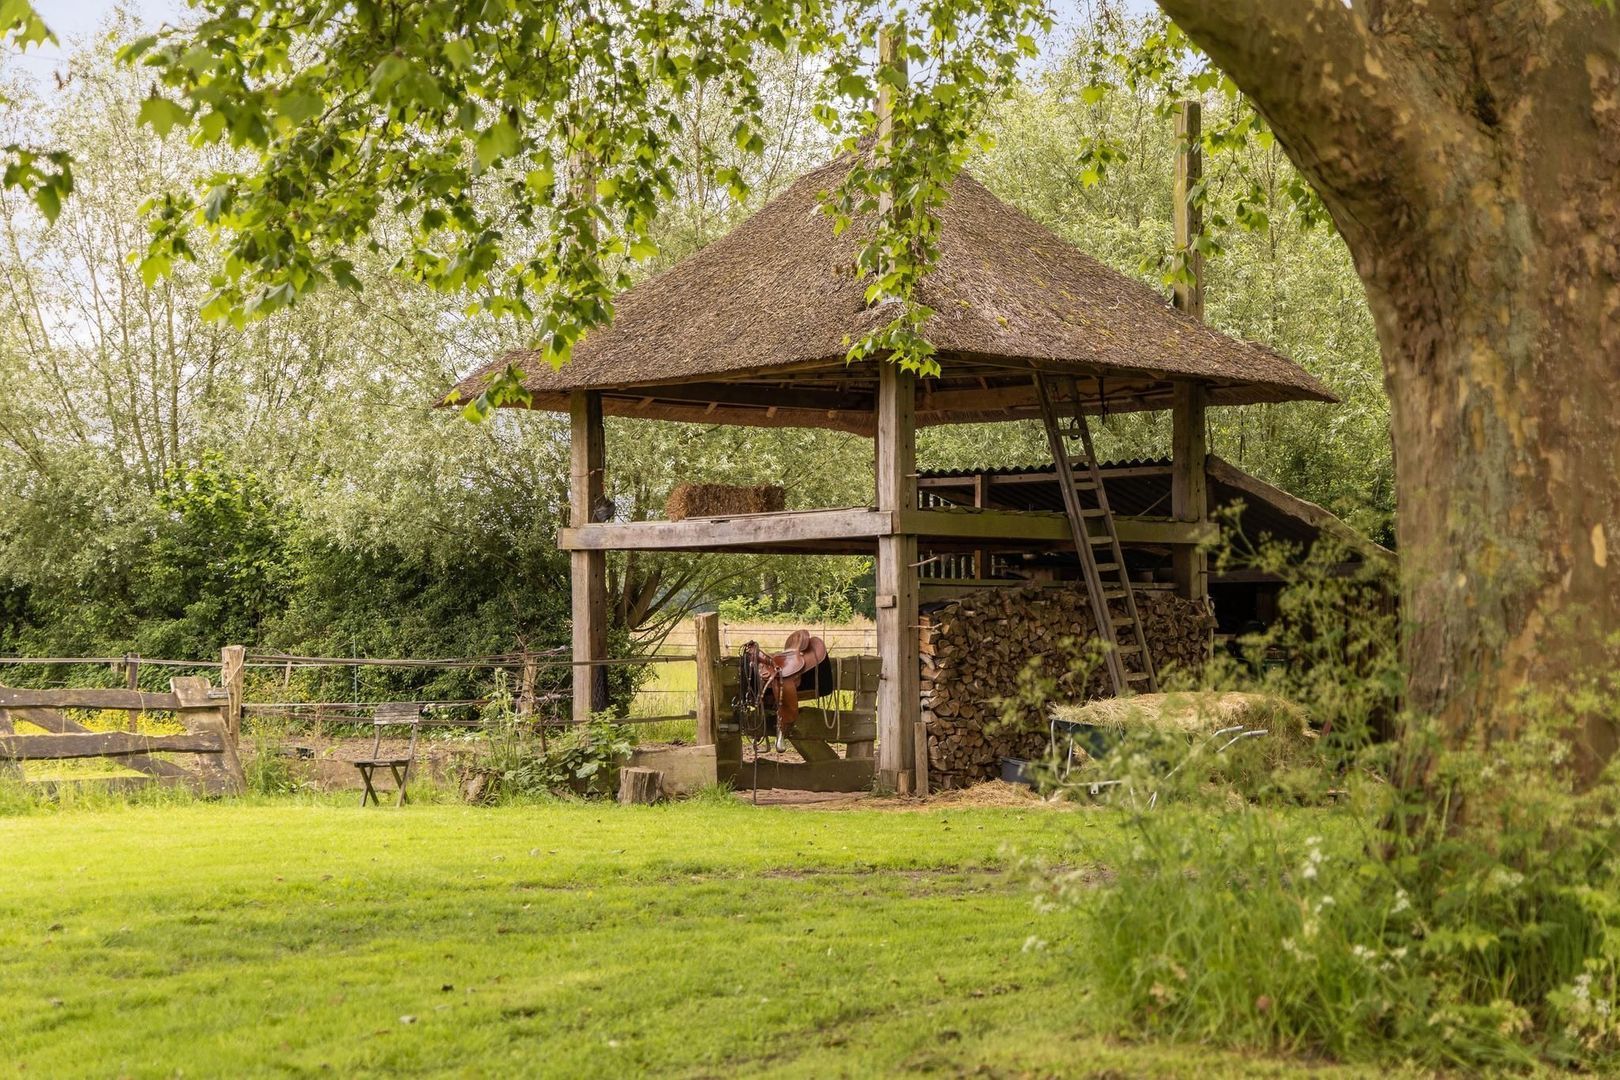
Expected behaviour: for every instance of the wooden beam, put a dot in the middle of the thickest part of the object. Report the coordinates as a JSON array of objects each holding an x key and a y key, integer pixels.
[
  {"x": 54, "y": 722},
  {"x": 1044, "y": 527},
  {"x": 1189, "y": 487},
  {"x": 232, "y": 665},
  {"x": 981, "y": 500},
  {"x": 87, "y": 699},
  {"x": 847, "y": 529},
  {"x": 706, "y": 627},
  {"x": 587, "y": 567},
  {"x": 739, "y": 531},
  {"x": 1189, "y": 295},
  {"x": 899, "y": 704},
  {"x": 106, "y": 744},
  {"x": 844, "y": 774}
]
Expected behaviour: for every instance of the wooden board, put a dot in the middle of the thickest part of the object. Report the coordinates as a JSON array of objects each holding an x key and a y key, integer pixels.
[
  {"x": 57, "y": 724},
  {"x": 87, "y": 699},
  {"x": 106, "y": 744},
  {"x": 841, "y": 775}
]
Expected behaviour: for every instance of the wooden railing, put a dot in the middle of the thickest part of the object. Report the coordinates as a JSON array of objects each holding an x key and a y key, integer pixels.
[{"x": 201, "y": 709}]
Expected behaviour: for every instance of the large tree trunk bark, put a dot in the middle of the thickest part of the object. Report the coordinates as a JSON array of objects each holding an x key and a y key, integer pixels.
[{"x": 1470, "y": 155}]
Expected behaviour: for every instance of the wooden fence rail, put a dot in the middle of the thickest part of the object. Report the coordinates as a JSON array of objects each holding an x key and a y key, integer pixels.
[{"x": 202, "y": 709}]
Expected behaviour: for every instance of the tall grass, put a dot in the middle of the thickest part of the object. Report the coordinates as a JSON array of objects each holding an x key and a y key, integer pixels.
[{"x": 1383, "y": 925}]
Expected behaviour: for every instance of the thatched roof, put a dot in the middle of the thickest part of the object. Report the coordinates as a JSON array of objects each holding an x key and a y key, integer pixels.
[{"x": 763, "y": 318}]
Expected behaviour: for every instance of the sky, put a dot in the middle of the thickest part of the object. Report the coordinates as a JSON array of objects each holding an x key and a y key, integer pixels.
[{"x": 71, "y": 19}]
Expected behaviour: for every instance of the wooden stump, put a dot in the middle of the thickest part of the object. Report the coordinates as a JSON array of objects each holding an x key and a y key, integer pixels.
[{"x": 637, "y": 785}]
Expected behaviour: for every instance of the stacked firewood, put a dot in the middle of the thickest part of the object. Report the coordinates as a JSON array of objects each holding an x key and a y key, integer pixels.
[{"x": 993, "y": 662}]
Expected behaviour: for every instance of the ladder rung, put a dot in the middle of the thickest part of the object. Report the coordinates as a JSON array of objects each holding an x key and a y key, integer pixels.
[
  {"x": 1113, "y": 594},
  {"x": 1136, "y": 676},
  {"x": 1104, "y": 538},
  {"x": 1126, "y": 621},
  {"x": 1127, "y": 650},
  {"x": 1093, "y": 511},
  {"x": 1107, "y": 567}
]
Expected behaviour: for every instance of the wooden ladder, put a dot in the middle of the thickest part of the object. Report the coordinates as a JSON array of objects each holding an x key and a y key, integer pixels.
[{"x": 1113, "y": 603}]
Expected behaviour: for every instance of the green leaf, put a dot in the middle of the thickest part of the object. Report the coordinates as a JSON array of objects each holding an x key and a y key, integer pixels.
[
  {"x": 162, "y": 115},
  {"x": 499, "y": 141},
  {"x": 460, "y": 53}
]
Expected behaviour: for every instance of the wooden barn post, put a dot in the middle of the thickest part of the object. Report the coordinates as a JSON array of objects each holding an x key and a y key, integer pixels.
[
  {"x": 588, "y": 569},
  {"x": 899, "y": 699},
  {"x": 1189, "y": 498},
  {"x": 707, "y": 627}
]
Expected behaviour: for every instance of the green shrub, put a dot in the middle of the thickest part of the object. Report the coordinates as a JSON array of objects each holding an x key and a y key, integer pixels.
[
  {"x": 268, "y": 770},
  {"x": 517, "y": 759},
  {"x": 1468, "y": 923}
]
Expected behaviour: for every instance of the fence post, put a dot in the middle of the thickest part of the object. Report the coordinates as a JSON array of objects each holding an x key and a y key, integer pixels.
[
  {"x": 132, "y": 681},
  {"x": 232, "y": 665},
  {"x": 707, "y": 626},
  {"x": 525, "y": 701}
]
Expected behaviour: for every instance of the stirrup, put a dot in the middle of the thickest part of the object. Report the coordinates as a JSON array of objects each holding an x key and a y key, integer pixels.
[{"x": 781, "y": 741}]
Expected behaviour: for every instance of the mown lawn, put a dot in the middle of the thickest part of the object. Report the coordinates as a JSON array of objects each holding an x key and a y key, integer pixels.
[{"x": 555, "y": 940}]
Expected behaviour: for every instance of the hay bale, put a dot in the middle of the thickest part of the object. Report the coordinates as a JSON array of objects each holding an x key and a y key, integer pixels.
[
  {"x": 723, "y": 500},
  {"x": 1289, "y": 738}
]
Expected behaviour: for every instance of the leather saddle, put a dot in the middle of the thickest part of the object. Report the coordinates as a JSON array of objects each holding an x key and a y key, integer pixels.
[{"x": 800, "y": 671}]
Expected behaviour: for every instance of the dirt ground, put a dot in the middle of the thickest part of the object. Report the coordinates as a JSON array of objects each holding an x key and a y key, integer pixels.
[{"x": 328, "y": 762}]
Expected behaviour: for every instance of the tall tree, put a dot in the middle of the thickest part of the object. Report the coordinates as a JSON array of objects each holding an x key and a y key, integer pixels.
[{"x": 1469, "y": 153}]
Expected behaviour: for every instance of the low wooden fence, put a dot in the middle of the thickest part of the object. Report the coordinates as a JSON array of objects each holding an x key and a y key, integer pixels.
[{"x": 200, "y": 708}]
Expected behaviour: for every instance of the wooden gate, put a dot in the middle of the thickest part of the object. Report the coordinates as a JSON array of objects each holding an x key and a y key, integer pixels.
[
  {"x": 200, "y": 708},
  {"x": 847, "y": 716}
]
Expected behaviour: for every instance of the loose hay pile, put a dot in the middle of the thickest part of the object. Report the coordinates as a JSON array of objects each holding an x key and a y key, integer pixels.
[
  {"x": 1190, "y": 718},
  {"x": 974, "y": 649},
  {"x": 721, "y": 500}
]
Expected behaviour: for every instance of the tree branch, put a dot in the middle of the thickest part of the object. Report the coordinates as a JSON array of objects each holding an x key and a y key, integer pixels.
[{"x": 1356, "y": 113}]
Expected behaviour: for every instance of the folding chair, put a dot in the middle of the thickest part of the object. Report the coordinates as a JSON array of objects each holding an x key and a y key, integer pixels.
[{"x": 390, "y": 714}]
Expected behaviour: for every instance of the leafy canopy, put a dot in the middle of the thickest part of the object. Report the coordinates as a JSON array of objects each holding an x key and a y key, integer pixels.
[
  {"x": 521, "y": 153},
  {"x": 46, "y": 176}
]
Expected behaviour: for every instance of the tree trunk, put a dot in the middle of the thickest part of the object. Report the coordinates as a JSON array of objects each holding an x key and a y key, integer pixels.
[{"x": 1470, "y": 155}]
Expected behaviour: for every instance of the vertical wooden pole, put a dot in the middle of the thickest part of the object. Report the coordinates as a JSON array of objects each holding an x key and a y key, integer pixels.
[
  {"x": 899, "y": 704},
  {"x": 707, "y": 626},
  {"x": 981, "y": 499},
  {"x": 132, "y": 681},
  {"x": 588, "y": 569},
  {"x": 1189, "y": 498},
  {"x": 1189, "y": 295},
  {"x": 899, "y": 698},
  {"x": 232, "y": 676},
  {"x": 525, "y": 698}
]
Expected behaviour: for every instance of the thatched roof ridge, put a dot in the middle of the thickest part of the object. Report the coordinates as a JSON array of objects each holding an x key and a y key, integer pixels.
[{"x": 779, "y": 292}]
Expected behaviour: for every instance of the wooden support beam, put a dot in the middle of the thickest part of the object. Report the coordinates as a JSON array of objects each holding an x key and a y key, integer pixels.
[
  {"x": 1188, "y": 210},
  {"x": 844, "y": 528},
  {"x": 1189, "y": 487},
  {"x": 588, "y": 568},
  {"x": 709, "y": 699},
  {"x": 899, "y": 699},
  {"x": 899, "y": 704},
  {"x": 844, "y": 774},
  {"x": 981, "y": 499}
]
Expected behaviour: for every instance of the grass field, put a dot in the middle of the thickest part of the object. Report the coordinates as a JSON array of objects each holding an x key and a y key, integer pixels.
[{"x": 552, "y": 940}]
